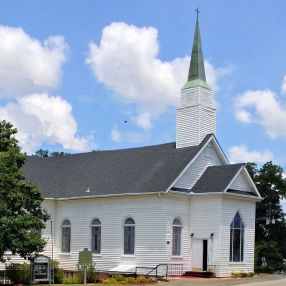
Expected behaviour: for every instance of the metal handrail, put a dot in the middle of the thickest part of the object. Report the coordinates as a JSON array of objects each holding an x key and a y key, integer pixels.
[{"x": 152, "y": 269}]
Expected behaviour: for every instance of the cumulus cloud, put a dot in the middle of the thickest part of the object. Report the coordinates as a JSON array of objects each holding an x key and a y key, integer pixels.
[
  {"x": 283, "y": 88},
  {"x": 243, "y": 154},
  {"x": 265, "y": 108},
  {"x": 28, "y": 65},
  {"x": 126, "y": 61},
  {"x": 29, "y": 68},
  {"x": 42, "y": 118}
]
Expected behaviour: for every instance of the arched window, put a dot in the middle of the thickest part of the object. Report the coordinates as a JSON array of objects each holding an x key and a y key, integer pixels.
[
  {"x": 236, "y": 239},
  {"x": 66, "y": 236},
  {"x": 96, "y": 236},
  {"x": 129, "y": 236},
  {"x": 177, "y": 233}
]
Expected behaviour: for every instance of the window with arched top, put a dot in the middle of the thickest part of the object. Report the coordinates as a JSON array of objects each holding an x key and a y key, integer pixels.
[
  {"x": 96, "y": 236},
  {"x": 177, "y": 236},
  {"x": 236, "y": 239},
  {"x": 129, "y": 236},
  {"x": 66, "y": 236}
]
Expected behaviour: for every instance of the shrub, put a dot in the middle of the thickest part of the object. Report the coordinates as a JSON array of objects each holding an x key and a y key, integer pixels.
[
  {"x": 58, "y": 272},
  {"x": 19, "y": 273},
  {"x": 142, "y": 280},
  {"x": 130, "y": 280},
  {"x": 241, "y": 274},
  {"x": 109, "y": 281},
  {"x": 119, "y": 278},
  {"x": 90, "y": 274},
  {"x": 250, "y": 274},
  {"x": 71, "y": 280}
]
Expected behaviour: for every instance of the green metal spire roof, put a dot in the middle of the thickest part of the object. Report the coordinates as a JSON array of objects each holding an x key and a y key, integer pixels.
[{"x": 197, "y": 76}]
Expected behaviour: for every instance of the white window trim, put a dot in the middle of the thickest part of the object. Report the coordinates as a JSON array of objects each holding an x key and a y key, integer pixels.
[
  {"x": 90, "y": 235},
  {"x": 123, "y": 237},
  {"x": 181, "y": 235},
  {"x": 66, "y": 226}
]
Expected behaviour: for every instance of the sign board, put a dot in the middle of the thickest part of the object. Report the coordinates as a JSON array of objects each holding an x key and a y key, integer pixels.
[
  {"x": 85, "y": 257},
  {"x": 41, "y": 268}
]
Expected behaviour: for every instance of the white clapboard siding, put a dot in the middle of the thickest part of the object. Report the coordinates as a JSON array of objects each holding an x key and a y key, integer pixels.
[
  {"x": 241, "y": 183},
  {"x": 207, "y": 122},
  {"x": 246, "y": 209},
  {"x": 208, "y": 157},
  {"x": 196, "y": 116},
  {"x": 153, "y": 216},
  {"x": 187, "y": 128},
  {"x": 205, "y": 219}
]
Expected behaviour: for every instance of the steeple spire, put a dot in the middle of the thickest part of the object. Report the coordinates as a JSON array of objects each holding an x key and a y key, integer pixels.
[
  {"x": 197, "y": 76},
  {"x": 196, "y": 116}
]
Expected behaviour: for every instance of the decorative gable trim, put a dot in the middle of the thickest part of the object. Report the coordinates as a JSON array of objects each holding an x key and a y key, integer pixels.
[
  {"x": 217, "y": 148},
  {"x": 244, "y": 171}
]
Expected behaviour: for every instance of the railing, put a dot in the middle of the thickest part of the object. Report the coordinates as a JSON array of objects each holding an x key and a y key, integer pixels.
[
  {"x": 160, "y": 271},
  {"x": 175, "y": 269}
]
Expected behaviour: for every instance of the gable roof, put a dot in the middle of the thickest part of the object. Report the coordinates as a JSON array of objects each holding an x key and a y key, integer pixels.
[
  {"x": 127, "y": 171},
  {"x": 216, "y": 179}
]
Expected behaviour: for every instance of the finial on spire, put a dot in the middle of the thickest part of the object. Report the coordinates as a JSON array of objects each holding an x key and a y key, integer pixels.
[{"x": 198, "y": 11}]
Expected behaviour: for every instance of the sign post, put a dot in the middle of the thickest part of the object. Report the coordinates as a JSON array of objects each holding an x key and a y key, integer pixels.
[
  {"x": 42, "y": 269},
  {"x": 85, "y": 260}
]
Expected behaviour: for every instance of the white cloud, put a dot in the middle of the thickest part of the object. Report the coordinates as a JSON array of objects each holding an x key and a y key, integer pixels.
[
  {"x": 144, "y": 120},
  {"x": 263, "y": 107},
  {"x": 283, "y": 88},
  {"x": 126, "y": 61},
  {"x": 28, "y": 65},
  {"x": 115, "y": 134},
  {"x": 127, "y": 136},
  {"x": 243, "y": 154},
  {"x": 42, "y": 118}
]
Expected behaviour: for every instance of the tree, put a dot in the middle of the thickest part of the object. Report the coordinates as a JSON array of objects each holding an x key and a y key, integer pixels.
[
  {"x": 270, "y": 224},
  {"x": 42, "y": 153},
  {"x": 21, "y": 214},
  {"x": 46, "y": 153}
]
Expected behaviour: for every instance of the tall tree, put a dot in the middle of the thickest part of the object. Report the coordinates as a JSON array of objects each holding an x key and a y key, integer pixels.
[
  {"x": 21, "y": 214},
  {"x": 270, "y": 218}
]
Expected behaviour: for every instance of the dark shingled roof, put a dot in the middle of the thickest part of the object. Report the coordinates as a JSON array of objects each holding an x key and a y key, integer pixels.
[
  {"x": 137, "y": 170},
  {"x": 215, "y": 179}
]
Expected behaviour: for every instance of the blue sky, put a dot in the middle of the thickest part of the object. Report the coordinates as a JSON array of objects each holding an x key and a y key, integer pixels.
[{"x": 71, "y": 72}]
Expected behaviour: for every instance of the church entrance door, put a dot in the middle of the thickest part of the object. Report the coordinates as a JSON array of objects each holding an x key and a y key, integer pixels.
[{"x": 199, "y": 254}]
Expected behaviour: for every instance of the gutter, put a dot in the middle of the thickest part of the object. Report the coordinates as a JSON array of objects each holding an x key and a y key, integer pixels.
[
  {"x": 191, "y": 194},
  {"x": 106, "y": 196}
]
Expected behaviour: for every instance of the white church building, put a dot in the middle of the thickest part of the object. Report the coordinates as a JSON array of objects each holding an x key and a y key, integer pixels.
[{"x": 177, "y": 203}]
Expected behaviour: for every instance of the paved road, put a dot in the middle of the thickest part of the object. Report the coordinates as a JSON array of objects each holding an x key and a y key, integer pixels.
[
  {"x": 280, "y": 282},
  {"x": 262, "y": 280}
]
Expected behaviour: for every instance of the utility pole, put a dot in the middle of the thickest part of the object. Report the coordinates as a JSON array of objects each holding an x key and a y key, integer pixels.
[{"x": 52, "y": 264}]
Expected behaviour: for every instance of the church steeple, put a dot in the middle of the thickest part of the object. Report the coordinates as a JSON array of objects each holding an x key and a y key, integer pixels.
[
  {"x": 197, "y": 76},
  {"x": 196, "y": 116}
]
